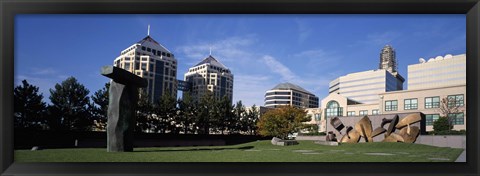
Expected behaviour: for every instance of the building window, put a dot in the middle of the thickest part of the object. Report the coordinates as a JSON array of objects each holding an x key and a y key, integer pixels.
[
  {"x": 350, "y": 113},
  {"x": 318, "y": 117},
  {"x": 431, "y": 118},
  {"x": 432, "y": 102},
  {"x": 455, "y": 100},
  {"x": 127, "y": 66},
  {"x": 411, "y": 104},
  {"x": 375, "y": 112},
  {"x": 137, "y": 65},
  {"x": 333, "y": 109},
  {"x": 168, "y": 54},
  {"x": 391, "y": 105},
  {"x": 363, "y": 112},
  {"x": 456, "y": 118},
  {"x": 148, "y": 49},
  {"x": 143, "y": 48},
  {"x": 144, "y": 66}
]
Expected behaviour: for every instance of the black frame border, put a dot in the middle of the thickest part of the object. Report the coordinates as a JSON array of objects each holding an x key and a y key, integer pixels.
[{"x": 9, "y": 8}]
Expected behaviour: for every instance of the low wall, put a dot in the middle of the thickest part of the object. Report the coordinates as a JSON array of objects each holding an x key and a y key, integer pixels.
[
  {"x": 453, "y": 141},
  {"x": 69, "y": 139}
]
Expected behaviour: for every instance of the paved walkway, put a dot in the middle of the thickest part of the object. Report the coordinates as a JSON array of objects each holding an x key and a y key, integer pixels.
[{"x": 462, "y": 157}]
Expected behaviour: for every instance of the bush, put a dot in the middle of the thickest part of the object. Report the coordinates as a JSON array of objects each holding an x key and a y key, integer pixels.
[{"x": 442, "y": 124}]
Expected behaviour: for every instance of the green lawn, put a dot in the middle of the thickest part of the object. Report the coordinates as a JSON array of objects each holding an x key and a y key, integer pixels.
[{"x": 260, "y": 151}]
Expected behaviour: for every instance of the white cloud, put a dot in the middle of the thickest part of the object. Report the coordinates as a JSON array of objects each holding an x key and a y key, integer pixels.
[
  {"x": 44, "y": 78},
  {"x": 277, "y": 67},
  {"x": 304, "y": 30},
  {"x": 251, "y": 88},
  {"x": 383, "y": 38},
  {"x": 43, "y": 71},
  {"x": 228, "y": 50}
]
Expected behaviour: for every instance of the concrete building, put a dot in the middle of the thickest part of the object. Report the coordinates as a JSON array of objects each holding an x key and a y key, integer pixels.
[
  {"x": 364, "y": 87},
  {"x": 150, "y": 60},
  {"x": 425, "y": 98},
  {"x": 210, "y": 75},
  {"x": 428, "y": 101},
  {"x": 290, "y": 94},
  {"x": 316, "y": 118},
  {"x": 437, "y": 72}
]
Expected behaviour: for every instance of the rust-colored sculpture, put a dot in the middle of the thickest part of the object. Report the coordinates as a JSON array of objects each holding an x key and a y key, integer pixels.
[{"x": 363, "y": 128}]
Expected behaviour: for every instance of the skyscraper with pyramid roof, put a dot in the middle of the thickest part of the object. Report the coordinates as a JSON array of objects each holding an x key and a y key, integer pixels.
[
  {"x": 210, "y": 75},
  {"x": 150, "y": 60}
]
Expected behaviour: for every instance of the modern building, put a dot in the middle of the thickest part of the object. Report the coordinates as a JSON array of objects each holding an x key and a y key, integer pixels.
[
  {"x": 437, "y": 72},
  {"x": 210, "y": 76},
  {"x": 150, "y": 60},
  {"x": 290, "y": 94},
  {"x": 428, "y": 101},
  {"x": 316, "y": 118},
  {"x": 364, "y": 87},
  {"x": 420, "y": 97}
]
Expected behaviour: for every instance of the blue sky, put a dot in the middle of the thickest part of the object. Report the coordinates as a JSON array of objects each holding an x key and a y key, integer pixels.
[{"x": 260, "y": 50}]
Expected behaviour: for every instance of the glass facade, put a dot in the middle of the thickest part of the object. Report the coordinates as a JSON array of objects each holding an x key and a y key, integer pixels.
[
  {"x": 410, "y": 104},
  {"x": 391, "y": 105},
  {"x": 430, "y": 118},
  {"x": 363, "y": 112},
  {"x": 333, "y": 109},
  {"x": 457, "y": 118},
  {"x": 455, "y": 101},
  {"x": 318, "y": 117},
  {"x": 432, "y": 102},
  {"x": 350, "y": 113}
]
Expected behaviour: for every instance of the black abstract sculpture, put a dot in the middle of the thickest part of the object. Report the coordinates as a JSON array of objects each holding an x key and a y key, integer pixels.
[{"x": 123, "y": 97}]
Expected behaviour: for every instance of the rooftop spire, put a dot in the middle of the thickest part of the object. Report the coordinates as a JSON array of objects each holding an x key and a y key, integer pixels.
[
  {"x": 148, "y": 32},
  {"x": 210, "y": 51}
]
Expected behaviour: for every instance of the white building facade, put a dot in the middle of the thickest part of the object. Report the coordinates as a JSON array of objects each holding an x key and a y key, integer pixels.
[
  {"x": 425, "y": 93},
  {"x": 441, "y": 71},
  {"x": 290, "y": 94},
  {"x": 152, "y": 61}
]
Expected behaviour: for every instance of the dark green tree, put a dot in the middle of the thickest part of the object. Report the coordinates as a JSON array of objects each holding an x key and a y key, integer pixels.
[
  {"x": 223, "y": 115},
  {"x": 251, "y": 119},
  {"x": 236, "y": 125},
  {"x": 442, "y": 125},
  {"x": 69, "y": 109},
  {"x": 29, "y": 109},
  {"x": 166, "y": 111},
  {"x": 205, "y": 109},
  {"x": 187, "y": 110},
  {"x": 99, "y": 109},
  {"x": 145, "y": 119}
]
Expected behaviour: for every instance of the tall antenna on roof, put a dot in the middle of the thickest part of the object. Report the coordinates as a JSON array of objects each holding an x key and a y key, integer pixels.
[
  {"x": 210, "y": 51},
  {"x": 148, "y": 32}
]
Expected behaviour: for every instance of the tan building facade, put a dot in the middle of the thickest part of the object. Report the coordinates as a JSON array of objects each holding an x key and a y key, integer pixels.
[
  {"x": 425, "y": 94},
  {"x": 428, "y": 101},
  {"x": 210, "y": 76},
  {"x": 152, "y": 61}
]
